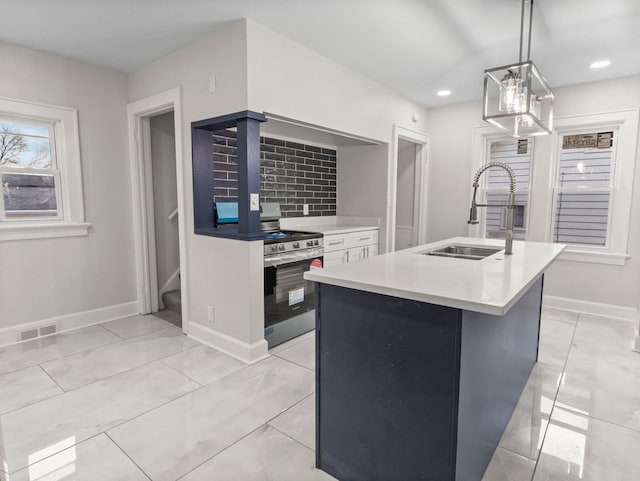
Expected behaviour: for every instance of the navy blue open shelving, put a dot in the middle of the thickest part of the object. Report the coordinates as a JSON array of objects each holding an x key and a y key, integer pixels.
[{"x": 247, "y": 125}]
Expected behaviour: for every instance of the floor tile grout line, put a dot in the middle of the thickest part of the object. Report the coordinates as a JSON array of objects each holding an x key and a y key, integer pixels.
[
  {"x": 176, "y": 398},
  {"x": 63, "y": 356},
  {"x": 294, "y": 363},
  {"x": 245, "y": 436},
  {"x": 290, "y": 437},
  {"x": 181, "y": 373},
  {"x": 121, "y": 372},
  {"x": 54, "y": 454},
  {"x": 120, "y": 423},
  {"x": 39, "y": 400},
  {"x": 127, "y": 455},
  {"x": 555, "y": 399},
  {"x": 102, "y": 325},
  {"x": 115, "y": 374}
]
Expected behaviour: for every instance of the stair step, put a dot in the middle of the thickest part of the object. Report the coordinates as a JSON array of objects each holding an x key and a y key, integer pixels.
[{"x": 173, "y": 301}]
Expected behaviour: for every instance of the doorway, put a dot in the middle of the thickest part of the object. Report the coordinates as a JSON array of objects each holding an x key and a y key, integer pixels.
[
  {"x": 155, "y": 138},
  {"x": 162, "y": 149},
  {"x": 409, "y": 180}
]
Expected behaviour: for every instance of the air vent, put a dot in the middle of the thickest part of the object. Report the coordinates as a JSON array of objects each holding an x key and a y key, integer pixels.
[
  {"x": 46, "y": 330},
  {"x": 30, "y": 334},
  {"x": 37, "y": 332}
]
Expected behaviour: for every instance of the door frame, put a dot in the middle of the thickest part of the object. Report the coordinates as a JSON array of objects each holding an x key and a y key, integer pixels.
[
  {"x": 421, "y": 179},
  {"x": 138, "y": 114}
]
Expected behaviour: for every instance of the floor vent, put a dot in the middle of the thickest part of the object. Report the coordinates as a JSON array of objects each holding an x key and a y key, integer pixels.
[
  {"x": 30, "y": 334},
  {"x": 46, "y": 330},
  {"x": 37, "y": 332}
]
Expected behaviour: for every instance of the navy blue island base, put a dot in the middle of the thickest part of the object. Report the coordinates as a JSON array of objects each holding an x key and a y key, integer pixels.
[{"x": 409, "y": 391}]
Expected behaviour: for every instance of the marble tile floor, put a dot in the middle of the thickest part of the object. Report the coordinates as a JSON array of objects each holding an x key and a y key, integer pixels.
[{"x": 134, "y": 399}]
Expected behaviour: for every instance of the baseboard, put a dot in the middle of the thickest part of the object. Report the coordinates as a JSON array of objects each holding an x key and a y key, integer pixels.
[
  {"x": 69, "y": 322},
  {"x": 249, "y": 353},
  {"x": 593, "y": 308}
]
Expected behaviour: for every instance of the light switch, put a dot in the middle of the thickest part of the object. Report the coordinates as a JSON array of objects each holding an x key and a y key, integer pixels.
[
  {"x": 254, "y": 202},
  {"x": 212, "y": 83},
  {"x": 305, "y": 209}
]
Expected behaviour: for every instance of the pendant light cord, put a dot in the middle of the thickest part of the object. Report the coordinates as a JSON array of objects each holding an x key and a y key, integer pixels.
[{"x": 522, "y": 30}]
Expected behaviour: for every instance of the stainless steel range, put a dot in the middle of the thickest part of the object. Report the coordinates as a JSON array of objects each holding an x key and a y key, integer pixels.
[{"x": 289, "y": 300}]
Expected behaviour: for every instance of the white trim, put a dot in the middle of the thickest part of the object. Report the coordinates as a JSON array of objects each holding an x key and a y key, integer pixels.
[
  {"x": 420, "y": 199},
  {"x": 43, "y": 231},
  {"x": 69, "y": 322},
  {"x": 636, "y": 325},
  {"x": 626, "y": 121},
  {"x": 156, "y": 104},
  {"x": 589, "y": 307},
  {"x": 67, "y": 156},
  {"x": 249, "y": 353},
  {"x": 149, "y": 213}
]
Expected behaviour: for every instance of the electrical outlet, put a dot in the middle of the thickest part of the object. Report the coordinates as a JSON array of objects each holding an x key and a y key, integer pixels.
[
  {"x": 210, "y": 314},
  {"x": 305, "y": 209}
]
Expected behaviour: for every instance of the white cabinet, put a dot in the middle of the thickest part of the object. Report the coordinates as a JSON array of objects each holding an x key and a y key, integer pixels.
[{"x": 350, "y": 247}]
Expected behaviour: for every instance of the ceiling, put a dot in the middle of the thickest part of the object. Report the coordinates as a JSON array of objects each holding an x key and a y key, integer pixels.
[{"x": 415, "y": 47}]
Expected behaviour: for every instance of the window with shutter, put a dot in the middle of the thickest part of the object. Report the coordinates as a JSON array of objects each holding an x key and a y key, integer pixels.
[
  {"x": 591, "y": 185},
  {"x": 583, "y": 192},
  {"x": 517, "y": 155}
]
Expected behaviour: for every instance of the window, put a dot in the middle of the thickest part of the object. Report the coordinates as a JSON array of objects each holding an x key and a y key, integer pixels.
[
  {"x": 592, "y": 181},
  {"x": 28, "y": 173},
  {"x": 583, "y": 191},
  {"x": 40, "y": 179},
  {"x": 517, "y": 155}
]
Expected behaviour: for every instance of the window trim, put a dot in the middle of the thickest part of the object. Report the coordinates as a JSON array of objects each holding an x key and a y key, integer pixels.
[
  {"x": 66, "y": 143},
  {"x": 615, "y": 251}
]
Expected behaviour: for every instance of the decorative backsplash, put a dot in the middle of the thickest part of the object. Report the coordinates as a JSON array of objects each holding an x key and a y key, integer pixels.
[{"x": 291, "y": 173}]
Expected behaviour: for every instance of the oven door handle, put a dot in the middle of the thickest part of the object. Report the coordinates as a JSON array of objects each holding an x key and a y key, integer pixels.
[{"x": 279, "y": 259}]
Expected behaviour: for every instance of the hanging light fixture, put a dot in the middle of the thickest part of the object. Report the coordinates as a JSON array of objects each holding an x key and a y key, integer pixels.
[{"x": 516, "y": 97}]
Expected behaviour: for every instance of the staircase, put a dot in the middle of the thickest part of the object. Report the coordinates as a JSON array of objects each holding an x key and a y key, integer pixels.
[{"x": 172, "y": 311}]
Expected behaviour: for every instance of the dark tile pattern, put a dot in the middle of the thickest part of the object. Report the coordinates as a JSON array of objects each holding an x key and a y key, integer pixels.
[{"x": 291, "y": 173}]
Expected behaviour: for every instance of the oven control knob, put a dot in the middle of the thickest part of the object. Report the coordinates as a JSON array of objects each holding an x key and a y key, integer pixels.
[
  {"x": 315, "y": 242},
  {"x": 274, "y": 248},
  {"x": 309, "y": 243},
  {"x": 281, "y": 247},
  {"x": 296, "y": 245}
]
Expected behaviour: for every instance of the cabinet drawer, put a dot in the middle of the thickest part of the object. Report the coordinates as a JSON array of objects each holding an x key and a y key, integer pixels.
[
  {"x": 334, "y": 243},
  {"x": 364, "y": 238}
]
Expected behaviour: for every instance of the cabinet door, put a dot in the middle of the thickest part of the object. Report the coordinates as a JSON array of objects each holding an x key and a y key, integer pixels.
[
  {"x": 372, "y": 250},
  {"x": 355, "y": 254},
  {"x": 335, "y": 258}
]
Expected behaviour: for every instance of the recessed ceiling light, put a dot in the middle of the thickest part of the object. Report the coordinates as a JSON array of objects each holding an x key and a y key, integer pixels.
[
  {"x": 444, "y": 93},
  {"x": 600, "y": 64}
]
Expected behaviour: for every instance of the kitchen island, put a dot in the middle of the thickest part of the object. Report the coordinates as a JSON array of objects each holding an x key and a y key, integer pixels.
[{"x": 421, "y": 359}]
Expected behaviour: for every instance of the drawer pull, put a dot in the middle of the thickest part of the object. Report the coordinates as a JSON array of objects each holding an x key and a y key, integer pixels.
[
  {"x": 336, "y": 243},
  {"x": 365, "y": 238}
]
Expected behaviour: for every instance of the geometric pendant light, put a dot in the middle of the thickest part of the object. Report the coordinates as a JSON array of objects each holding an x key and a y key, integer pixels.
[{"x": 516, "y": 97}]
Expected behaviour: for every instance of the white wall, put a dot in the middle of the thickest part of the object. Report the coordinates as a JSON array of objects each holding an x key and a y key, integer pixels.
[
  {"x": 219, "y": 272},
  {"x": 362, "y": 183},
  {"x": 163, "y": 161},
  {"x": 43, "y": 278},
  {"x": 293, "y": 81},
  {"x": 451, "y": 130}
]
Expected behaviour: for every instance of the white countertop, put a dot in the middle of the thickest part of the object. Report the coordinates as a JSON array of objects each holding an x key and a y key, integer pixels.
[{"x": 491, "y": 285}]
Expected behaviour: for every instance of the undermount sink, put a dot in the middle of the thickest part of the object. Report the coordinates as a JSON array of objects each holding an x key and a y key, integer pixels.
[{"x": 463, "y": 252}]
